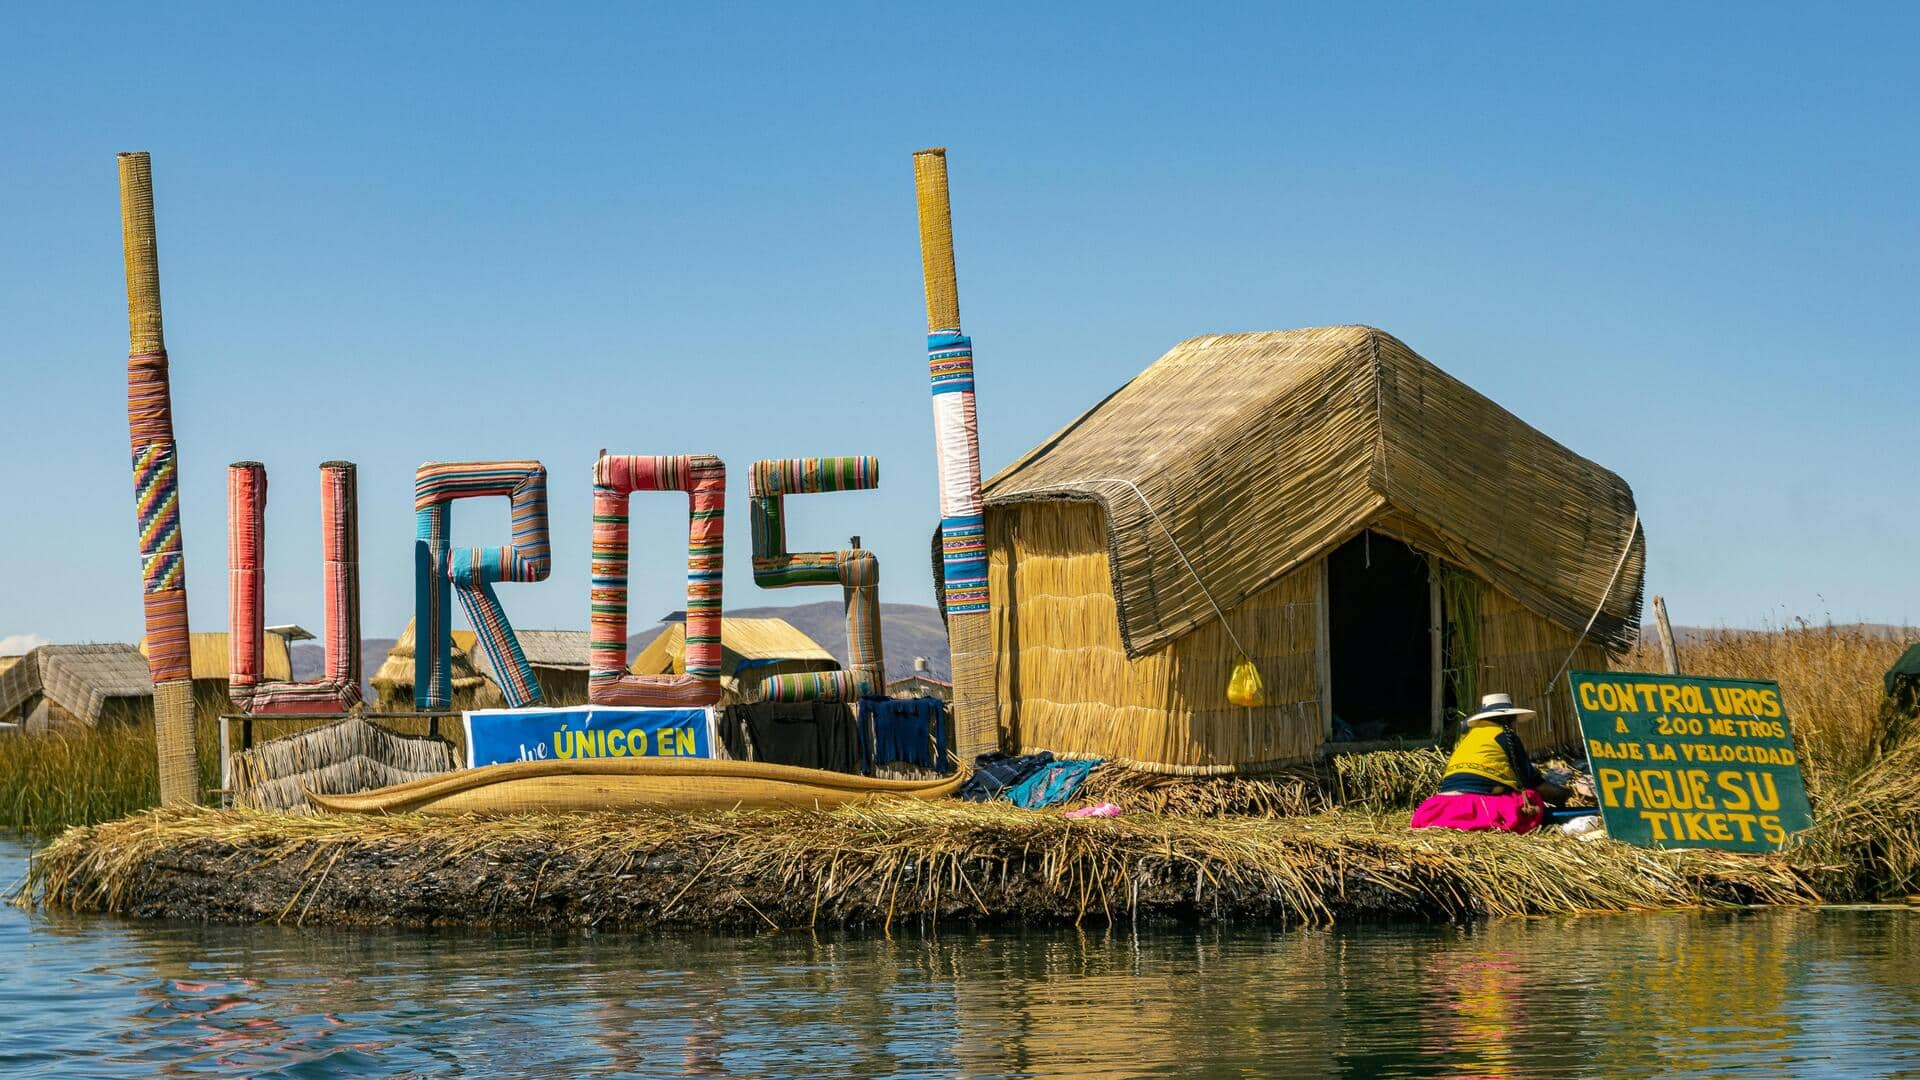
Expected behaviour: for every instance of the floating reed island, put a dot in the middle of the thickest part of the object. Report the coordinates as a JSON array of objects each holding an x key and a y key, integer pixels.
[{"x": 893, "y": 865}]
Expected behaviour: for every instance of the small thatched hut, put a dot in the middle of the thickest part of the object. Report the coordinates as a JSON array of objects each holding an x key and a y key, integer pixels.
[
  {"x": 212, "y": 665},
  {"x": 393, "y": 683},
  {"x": 87, "y": 684},
  {"x": 1385, "y": 543},
  {"x": 750, "y": 650},
  {"x": 558, "y": 659}
]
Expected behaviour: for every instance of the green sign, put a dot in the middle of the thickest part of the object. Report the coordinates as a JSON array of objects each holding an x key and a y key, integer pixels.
[{"x": 1685, "y": 762}]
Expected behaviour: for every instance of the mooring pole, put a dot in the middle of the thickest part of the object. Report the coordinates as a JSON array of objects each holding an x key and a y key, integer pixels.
[
  {"x": 963, "y": 533},
  {"x": 1667, "y": 652},
  {"x": 156, "y": 492}
]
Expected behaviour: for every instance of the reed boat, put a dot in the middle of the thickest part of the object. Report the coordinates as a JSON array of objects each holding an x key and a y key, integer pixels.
[{"x": 629, "y": 784}]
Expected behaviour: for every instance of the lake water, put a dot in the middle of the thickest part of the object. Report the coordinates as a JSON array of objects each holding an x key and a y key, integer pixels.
[{"x": 1815, "y": 993}]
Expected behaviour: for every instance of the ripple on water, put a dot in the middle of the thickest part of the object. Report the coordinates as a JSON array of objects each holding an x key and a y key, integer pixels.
[{"x": 1808, "y": 993}]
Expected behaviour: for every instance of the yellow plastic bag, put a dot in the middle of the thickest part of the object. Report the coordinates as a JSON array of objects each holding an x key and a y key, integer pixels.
[{"x": 1245, "y": 689}]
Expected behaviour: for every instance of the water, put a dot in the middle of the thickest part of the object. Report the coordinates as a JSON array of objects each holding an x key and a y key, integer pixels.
[{"x": 1769, "y": 993}]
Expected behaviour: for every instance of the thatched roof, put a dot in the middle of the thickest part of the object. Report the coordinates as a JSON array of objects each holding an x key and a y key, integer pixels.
[
  {"x": 82, "y": 679},
  {"x": 395, "y": 677},
  {"x": 211, "y": 659},
  {"x": 1261, "y": 452},
  {"x": 743, "y": 641},
  {"x": 560, "y": 650}
]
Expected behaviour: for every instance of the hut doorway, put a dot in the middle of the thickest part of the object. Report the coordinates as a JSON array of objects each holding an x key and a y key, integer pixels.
[{"x": 1380, "y": 643}]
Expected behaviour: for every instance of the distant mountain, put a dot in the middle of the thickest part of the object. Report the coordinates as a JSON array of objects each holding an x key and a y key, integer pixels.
[
  {"x": 906, "y": 631},
  {"x": 309, "y": 661}
]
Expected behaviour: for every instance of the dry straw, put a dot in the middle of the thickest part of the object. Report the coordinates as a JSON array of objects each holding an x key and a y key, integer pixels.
[
  {"x": 887, "y": 863},
  {"x": 338, "y": 759}
]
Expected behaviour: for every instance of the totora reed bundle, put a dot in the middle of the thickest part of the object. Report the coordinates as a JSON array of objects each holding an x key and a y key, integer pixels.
[{"x": 339, "y": 759}]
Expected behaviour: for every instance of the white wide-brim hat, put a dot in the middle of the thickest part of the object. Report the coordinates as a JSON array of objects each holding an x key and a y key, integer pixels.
[{"x": 1497, "y": 707}]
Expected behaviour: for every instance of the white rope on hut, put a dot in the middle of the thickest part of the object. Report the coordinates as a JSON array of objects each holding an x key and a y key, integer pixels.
[{"x": 1632, "y": 534}]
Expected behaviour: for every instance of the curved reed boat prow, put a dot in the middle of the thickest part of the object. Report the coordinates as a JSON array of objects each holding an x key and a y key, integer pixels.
[{"x": 629, "y": 784}]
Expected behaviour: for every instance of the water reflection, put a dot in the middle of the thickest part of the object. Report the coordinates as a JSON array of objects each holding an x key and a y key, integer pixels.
[{"x": 1771, "y": 993}]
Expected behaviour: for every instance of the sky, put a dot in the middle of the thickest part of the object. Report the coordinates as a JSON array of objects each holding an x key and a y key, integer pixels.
[{"x": 1682, "y": 242}]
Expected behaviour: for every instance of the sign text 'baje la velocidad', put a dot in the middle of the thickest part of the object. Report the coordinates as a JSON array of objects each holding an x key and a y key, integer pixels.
[{"x": 1691, "y": 762}]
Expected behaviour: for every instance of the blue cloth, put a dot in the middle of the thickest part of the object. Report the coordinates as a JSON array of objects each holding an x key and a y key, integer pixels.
[
  {"x": 913, "y": 730},
  {"x": 995, "y": 772},
  {"x": 1560, "y": 815},
  {"x": 1051, "y": 784}
]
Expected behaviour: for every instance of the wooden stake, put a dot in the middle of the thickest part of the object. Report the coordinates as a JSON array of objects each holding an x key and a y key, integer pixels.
[{"x": 1667, "y": 652}]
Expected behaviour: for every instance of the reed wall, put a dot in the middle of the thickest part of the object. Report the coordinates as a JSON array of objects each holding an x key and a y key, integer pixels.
[
  {"x": 1519, "y": 652},
  {"x": 1066, "y": 685}
]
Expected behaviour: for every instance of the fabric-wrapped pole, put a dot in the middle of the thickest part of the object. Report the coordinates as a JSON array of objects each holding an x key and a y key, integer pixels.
[
  {"x": 339, "y": 689},
  {"x": 956, "y": 432},
  {"x": 439, "y": 569},
  {"x": 615, "y": 477},
  {"x": 856, "y": 571},
  {"x": 156, "y": 493}
]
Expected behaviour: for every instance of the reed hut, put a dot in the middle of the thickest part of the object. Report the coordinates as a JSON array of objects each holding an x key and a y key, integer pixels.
[
  {"x": 558, "y": 659},
  {"x": 751, "y": 649},
  {"x": 393, "y": 683},
  {"x": 55, "y": 685},
  {"x": 212, "y": 666},
  {"x": 1382, "y": 541}
]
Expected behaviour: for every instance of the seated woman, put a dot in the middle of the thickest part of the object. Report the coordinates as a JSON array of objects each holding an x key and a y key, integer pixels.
[{"x": 1490, "y": 783}]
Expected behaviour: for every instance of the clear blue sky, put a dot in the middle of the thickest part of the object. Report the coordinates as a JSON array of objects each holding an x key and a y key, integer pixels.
[{"x": 1683, "y": 244}]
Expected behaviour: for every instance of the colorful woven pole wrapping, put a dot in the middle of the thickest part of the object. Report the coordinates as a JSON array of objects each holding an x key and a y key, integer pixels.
[
  {"x": 246, "y": 589},
  {"x": 472, "y": 573},
  {"x": 615, "y": 477},
  {"x": 156, "y": 493},
  {"x": 857, "y": 572},
  {"x": 956, "y": 432}
]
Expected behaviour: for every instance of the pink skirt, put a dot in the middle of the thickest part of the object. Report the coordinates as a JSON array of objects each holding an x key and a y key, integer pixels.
[{"x": 1478, "y": 813}]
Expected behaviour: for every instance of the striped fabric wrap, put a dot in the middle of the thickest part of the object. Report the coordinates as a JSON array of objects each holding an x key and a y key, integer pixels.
[
  {"x": 339, "y": 690},
  {"x": 857, "y": 572},
  {"x": 956, "y": 428},
  {"x": 156, "y": 497},
  {"x": 815, "y": 686},
  {"x": 615, "y": 477},
  {"x": 472, "y": 573}
]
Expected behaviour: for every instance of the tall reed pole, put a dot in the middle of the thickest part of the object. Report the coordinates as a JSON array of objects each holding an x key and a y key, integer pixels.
[
  {"x": 156, "y": 493},
  {"x": 956, "y": 432}
]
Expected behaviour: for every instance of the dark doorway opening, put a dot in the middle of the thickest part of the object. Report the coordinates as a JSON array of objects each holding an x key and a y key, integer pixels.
[{"x": 1380, "y": 649}]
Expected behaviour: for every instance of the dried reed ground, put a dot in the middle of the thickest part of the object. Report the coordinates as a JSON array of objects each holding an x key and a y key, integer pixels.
[
  {"x": 920, "y": 863},
  {"x": 901, "y": 863}
]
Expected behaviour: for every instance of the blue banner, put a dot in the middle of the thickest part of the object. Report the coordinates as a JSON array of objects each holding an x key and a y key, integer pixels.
[{"x": 586, "y": 732}]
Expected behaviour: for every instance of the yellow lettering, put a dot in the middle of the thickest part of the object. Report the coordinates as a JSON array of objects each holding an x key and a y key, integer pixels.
[
  {"x": 1656, "y": 823},
  {"x": 1770, "y": 826},
  {"x": 617, "y": 742},
  {"x": 1587, "y": 699},
  {"x": 637, "y": 743},
  {"x": 1768, "y": 799},
  {"x": 683, "y": 740},
  {"x": 1729, "y": 782},
  {"x": 1769, "y": 703},
  {"x": 1649, "y": 693},
  {"x": 1746, "y": 823},
  {"x": 562, "y": 743},
  {"x": 1611, "y": 781}
]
